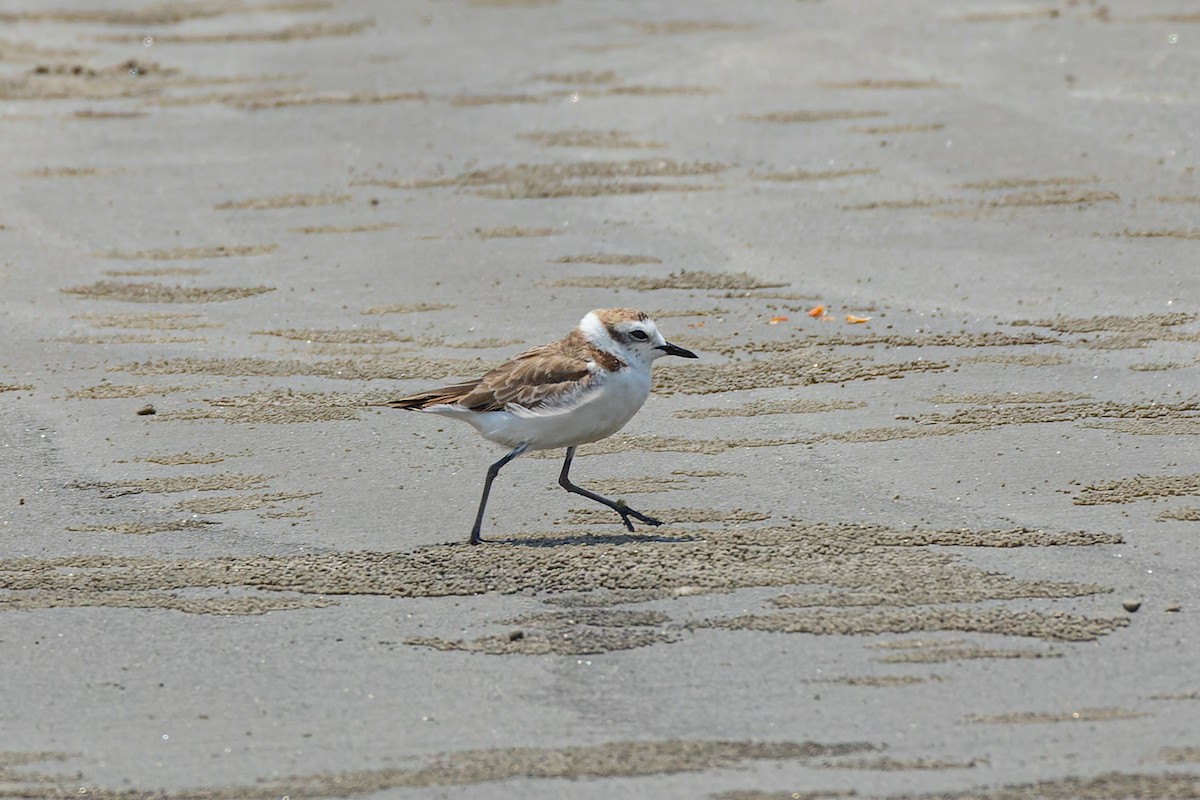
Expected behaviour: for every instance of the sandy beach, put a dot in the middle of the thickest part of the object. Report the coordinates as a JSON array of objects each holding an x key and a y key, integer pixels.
[{"x": 931, "y": 491}]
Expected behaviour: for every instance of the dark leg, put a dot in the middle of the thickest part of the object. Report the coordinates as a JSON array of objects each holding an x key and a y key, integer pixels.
[
  {"x": 492, "y": 472},
  {"x": 616, "y": 505}
]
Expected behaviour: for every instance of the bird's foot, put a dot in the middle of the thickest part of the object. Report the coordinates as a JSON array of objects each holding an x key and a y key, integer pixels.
[{"x": 626, "y": 512}]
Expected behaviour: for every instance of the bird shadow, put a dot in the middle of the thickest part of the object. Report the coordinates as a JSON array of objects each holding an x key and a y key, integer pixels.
[{"x": 588, "y": 539}]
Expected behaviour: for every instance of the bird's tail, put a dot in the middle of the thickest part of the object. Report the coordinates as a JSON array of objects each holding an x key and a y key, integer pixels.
[{"x": 446, "y": 395}]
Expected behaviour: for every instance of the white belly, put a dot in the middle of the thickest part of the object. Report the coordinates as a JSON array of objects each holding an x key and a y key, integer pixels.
[{"x": 599, "y": 413}]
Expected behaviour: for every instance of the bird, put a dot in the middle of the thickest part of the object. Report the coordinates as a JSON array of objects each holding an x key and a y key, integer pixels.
[{"x": 579, "y": 389}]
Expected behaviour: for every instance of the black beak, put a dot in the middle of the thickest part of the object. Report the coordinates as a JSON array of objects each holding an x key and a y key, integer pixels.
[{"x": 674, "y": 350}]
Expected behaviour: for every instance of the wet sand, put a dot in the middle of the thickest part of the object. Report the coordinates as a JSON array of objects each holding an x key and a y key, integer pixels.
[{"x": 931, "y": 491}]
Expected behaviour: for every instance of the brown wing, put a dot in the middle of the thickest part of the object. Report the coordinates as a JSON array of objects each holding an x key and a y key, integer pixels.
[{"x": 533, "y": 378}]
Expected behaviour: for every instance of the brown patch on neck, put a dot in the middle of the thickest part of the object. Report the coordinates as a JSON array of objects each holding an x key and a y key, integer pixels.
[
  {"x": 607, "y": 360},
  {"x": 587, "y": 351}
]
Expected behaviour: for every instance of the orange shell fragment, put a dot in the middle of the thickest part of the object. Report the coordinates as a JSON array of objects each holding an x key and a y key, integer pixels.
[
  {"x": 777, "y": 320},
  {"x": 816, "y": 311},
  {"x": 853, "y": 320}
]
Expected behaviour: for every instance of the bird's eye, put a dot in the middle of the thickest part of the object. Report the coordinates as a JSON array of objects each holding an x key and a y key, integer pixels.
[{"x": 639, "y": 335}]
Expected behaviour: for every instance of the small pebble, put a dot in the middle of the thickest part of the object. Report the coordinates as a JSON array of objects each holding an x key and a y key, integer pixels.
[
  {"x": 1131, "y": 605},
  {"x": 1174, "y": 607},
  {"x": 146, "y": 411},
  {"x": 516, "y": 636}
]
